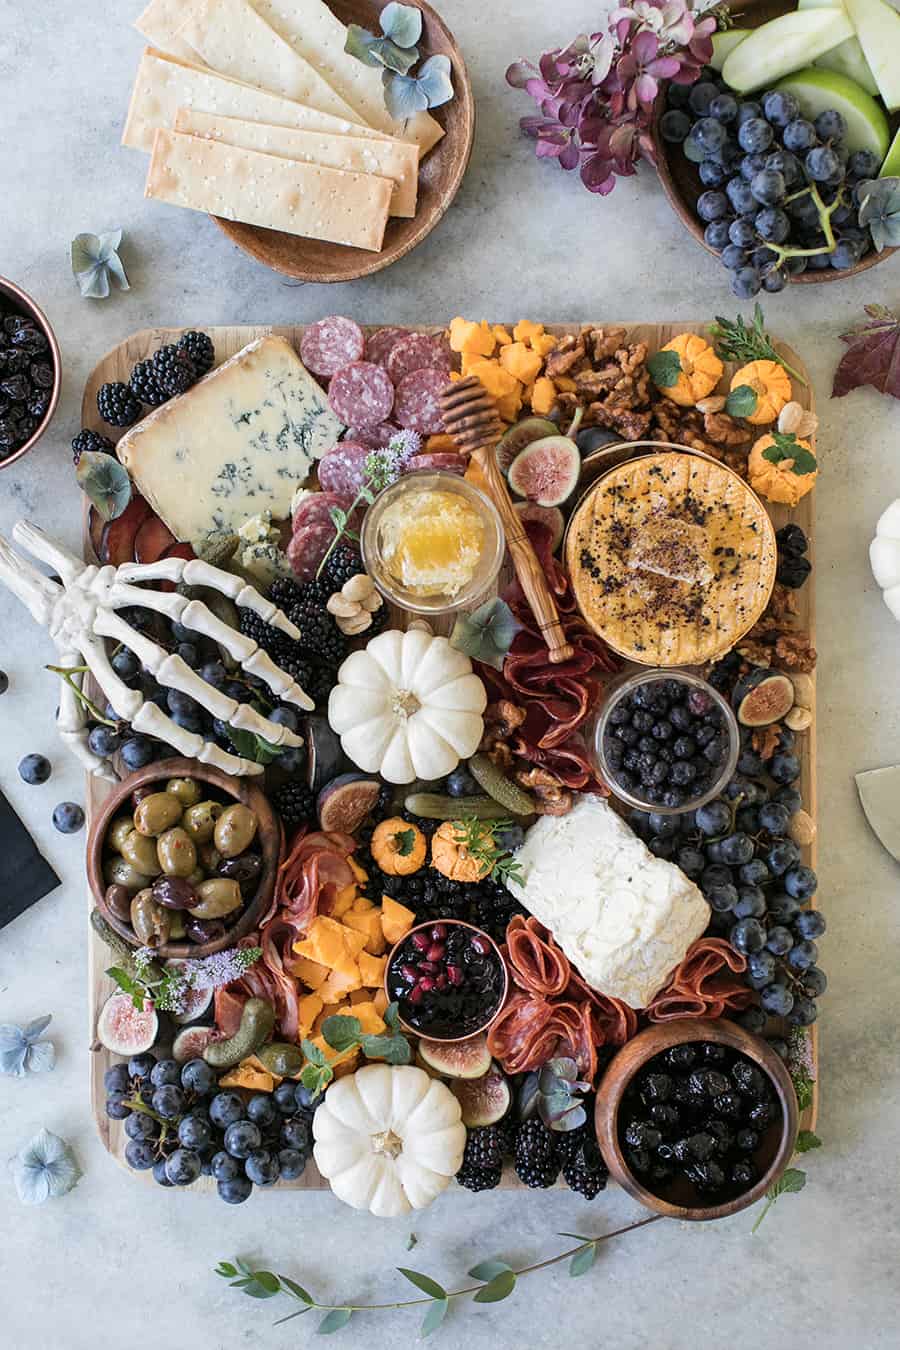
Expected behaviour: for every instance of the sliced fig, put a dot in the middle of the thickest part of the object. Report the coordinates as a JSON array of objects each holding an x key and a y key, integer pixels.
[
  {"x": 551, "y": 516},
  {"x": 125, "y": 1029},
  {"x": 345, "y": 802},
  {"x": 546, "y": 471},
  {"x": 152, "y": 540},
  {"x": 190, "y": 1042},
  {"x": 117, "y": 539},
  {"x": 457, "y": 1059},
  {"x": 484, "y": 1100},
  {"x": 324, "y": 756},
  {"x": 526, "y": 432},
  {"x": 763, "y": 697},
  {"x": 195, "y": 1001}
]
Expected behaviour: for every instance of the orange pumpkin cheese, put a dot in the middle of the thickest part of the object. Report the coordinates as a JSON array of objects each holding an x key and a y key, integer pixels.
[
  {"x": 398, "y": 847},
  {"x": 700, "y": 371},
  {"x": 779, "y": 480},
  {"x": 770, "y": 383},
  {"x": 450, "y": 856}
]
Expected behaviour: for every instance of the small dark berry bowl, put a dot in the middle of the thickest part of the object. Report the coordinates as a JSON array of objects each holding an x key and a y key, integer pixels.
[
  {"x": 678, "y": 1198},
  {"x": 14, "y": 300},
  {"x": 686, "y": 780},
  {"x": 446, "y": 999},
  {"x": 269, "y": 843}
]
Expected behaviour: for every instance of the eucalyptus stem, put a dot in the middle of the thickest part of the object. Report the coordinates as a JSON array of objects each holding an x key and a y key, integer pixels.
[{"x": 67, "y": 673}]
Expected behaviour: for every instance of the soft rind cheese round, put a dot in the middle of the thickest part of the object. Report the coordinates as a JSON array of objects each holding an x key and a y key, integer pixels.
[{"x": 623, "y": 917}]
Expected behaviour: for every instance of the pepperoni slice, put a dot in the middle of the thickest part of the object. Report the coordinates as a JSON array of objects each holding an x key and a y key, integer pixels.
[
  {"x": 417, "y": 403},
  {"x": 332, "y": 343},
  {"x": 361, "y": 394},
  {"x": 382, "y": 342},
  {"x": 308, "y": 547},
  {"x": 418, "y": 351},
  {"x": 316, "y": 508},
  {"x": 343, "y": 470}
]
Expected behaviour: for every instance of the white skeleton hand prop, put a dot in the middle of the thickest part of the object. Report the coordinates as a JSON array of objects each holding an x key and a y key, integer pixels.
[{"x": 81, "y": 612}]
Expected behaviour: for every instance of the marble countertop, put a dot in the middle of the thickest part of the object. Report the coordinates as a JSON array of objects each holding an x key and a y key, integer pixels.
[{"x": 116, "y": 1261}]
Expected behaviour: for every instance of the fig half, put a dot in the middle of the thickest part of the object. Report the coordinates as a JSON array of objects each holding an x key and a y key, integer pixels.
[
  {"x": 762, "y": 697},
  {"x": 483, "y": 1100},
  {"x": 547, "y": 471},
  {"x": 457, "y": 1059}
]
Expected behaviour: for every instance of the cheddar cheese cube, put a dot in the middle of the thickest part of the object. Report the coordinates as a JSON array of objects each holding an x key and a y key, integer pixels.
[
  {"x": 324, "y": 942},
  {"x": 503, "y": 336},
  {"x": 370, "y": 1020},
  {"x": 544, "y": 344},
  {"x": 510, "y": 405},
  {"x": 525, "y": 365},
  {"x": 311, "y": 973},
  {"x": 309, "y": 1009},
  {"x": 371, "y": 970},
  {"x": 543, "y": 395},
  {"x": 359, "y": 872},
  {"x": 339, "y": 983},
  {"x": 441, "y": 444},
  {"x": 380, "y": 1001},
  {"x": 369, "y": 925},
  {"x": 396, "y": 919},
  {"x": 343, "y": 901},
  {"x": 466, "y": 336},
  {"x": 528, "y": 332},
  {"x": 495, "y": 379},
  {"x": 362, "y": 904}
]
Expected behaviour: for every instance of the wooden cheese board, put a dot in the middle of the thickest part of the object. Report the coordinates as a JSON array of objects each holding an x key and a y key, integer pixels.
[{"x": 116, "y": 365}]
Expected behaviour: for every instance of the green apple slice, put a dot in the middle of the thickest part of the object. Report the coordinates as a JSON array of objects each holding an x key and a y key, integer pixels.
[
  {"x": 848, "y": 58},
  {"x": 817, "y": 90},
  {"x": 891, "y": 166},
  {"x": 784, "y": 45},
  {"x": 878, "y": 29},
  {"x": 724, "y": 44}
]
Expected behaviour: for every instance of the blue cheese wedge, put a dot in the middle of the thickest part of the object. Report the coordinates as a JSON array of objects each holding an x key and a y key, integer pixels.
[
  {"x": 623, "y": 917},
  {"x": 239, "y": 443}
]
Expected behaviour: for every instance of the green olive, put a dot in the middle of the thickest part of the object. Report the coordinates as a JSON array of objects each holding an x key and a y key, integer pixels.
[
  {"x": 157, "y": 812},
  {"x": 209, "y": 856},
  {"x": 119, "y": 831},
  {"x": 176, "y": 924},
  {"x": 218, "y": 896},
  {"x": 200, "y": 820},
  {"x": 152, "y": 924},
  {"x": 195, "y": 877},
  {"x": 118, "y": 872},
  {"x": 185, "y": 789},
  {"x": 141, "y": 853},
  {"x": 235, "y": 830},
  {"x": 176, "y": 852}
]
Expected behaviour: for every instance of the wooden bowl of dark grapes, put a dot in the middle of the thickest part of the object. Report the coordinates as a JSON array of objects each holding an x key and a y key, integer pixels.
[
  {"x": 696, "y": 1118},
  {"x": 765, "y": 184},
  {"x": 448, "y": 979}
]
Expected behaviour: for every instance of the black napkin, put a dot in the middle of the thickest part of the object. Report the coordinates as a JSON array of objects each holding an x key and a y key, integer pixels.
[{"x": 24, "y": 875}]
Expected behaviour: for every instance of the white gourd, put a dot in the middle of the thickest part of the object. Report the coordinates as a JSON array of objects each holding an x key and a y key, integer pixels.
[
  {"x": 408, "y": 706},
  {"x": 388, "y": 1139},
  {"x": 884, "y": 555}
]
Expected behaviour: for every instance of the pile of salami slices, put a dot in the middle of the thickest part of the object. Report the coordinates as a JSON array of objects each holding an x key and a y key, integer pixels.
[{"x": 377, "y": 385}]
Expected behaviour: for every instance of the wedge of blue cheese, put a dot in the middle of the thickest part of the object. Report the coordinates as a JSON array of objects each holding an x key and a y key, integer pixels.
[{"x": 235, "y": 445}]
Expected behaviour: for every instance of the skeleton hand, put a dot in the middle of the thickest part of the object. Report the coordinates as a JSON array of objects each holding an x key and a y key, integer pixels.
[{"x": 80, "y": 611}]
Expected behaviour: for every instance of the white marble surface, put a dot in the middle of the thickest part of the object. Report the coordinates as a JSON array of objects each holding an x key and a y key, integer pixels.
[{"x": 117, "y": 1262}]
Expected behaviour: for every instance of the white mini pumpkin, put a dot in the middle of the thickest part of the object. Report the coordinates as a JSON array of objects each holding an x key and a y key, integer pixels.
[
  {"x": 388, "y": 1139},
  {"x": 884, "y": 555},
  {"x": 408, "y": 706}
]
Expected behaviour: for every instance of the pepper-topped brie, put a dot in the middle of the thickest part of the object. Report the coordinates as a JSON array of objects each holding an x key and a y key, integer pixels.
[{"x": 623, "y": 917}]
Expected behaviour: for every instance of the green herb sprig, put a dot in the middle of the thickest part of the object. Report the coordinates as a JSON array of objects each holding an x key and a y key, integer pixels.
[
  {"x": 479, "y": 838},
  {"x": 381, "y": 468},
  {"x": 346, "y": 1033},
  {"x": 738, "y": 341},
  {"x": 495, "y": 1281}
]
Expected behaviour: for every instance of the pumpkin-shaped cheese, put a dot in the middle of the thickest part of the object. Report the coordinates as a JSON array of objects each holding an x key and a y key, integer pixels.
[
  {"x": 408, "y": 706},
  {"x": 700, "y": 371},
  {"x": 388, "y": 1139},
  {"x": 884, "y": 555},
  {"x": 770, "y": 383},
  {"x": 778, "y": 474},
  {"x": 398, "y": 847},
  {"x": 450, "y": 855}
]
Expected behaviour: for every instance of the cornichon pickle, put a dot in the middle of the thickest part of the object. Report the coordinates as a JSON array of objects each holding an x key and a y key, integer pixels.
[
  {"x": 281, "y": 1057},
  {"x": 157, "y": 812},
  {"x": 257, "y": 1021},
  {"x": 435, "y": 806},
  {"x": 235, "y": 830}
]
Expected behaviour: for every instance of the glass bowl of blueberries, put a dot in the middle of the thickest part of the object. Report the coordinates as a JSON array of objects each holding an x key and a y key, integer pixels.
[
  {"x": 666, "y": 741},
  {"x": 30, "y": 373}
]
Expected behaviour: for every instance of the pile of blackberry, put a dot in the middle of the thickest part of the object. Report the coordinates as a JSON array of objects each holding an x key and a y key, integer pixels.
[
  {"x": 313, "y": 661},
  {"x": 482, "y": 1164},
  {"x": 26, "y": 378},
  {"x": 295, "y": 803},
  {"x": 170, "y": 371},
  {"x": 539, "y": 1155},
  {"x": 91, "y": 441}
]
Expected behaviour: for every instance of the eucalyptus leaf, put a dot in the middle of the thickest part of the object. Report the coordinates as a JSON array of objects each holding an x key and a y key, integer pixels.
[
  {"x": 399, "y": 59},
  {"x": 297, "y": 1290},
  {"x": 105, "y": 481},
  {"x": 226, "y": 1270},
  {"x": 435, "y": 1315},
  {"x": 402, "y": 96},
  {"x": 336, "y": 1320},
  {"x": 487, "y": 1270},
  {"x": 268, "y": 1281},
  {"x": 499, "y": 1288},
  {"x": 423, "y": 1282},
  {"x": 45, "y": 1168},
  {"x": 358, "y": 44},
  {"x": 401, "y": 23},
  {"x": 435, "y": 80},
  {"x": 582, "y": 1261},
  {"x": 95, "y": 259}
]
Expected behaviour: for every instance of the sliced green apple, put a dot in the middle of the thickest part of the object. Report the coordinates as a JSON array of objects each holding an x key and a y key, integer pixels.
[
  {"x": 724, "y": 44},
  {"x": 891, "y": 166},
  {"x": 848, "y": 58},
  {"x": 878, "y": 29},
  {"x": 817, "y": 90},
  {"x": 784, "y": 45}
]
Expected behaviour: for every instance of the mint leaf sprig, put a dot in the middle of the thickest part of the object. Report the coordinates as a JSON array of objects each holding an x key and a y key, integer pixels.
[
  {"x": 346, "y": 1033},
  {"x": 495, "y": 1281}
]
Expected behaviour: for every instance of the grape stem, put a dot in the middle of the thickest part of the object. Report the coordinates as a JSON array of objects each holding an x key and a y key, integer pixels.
[{"x": 825, "y": 214}]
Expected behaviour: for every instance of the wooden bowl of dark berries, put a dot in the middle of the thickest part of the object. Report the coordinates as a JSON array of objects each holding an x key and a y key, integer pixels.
[
  {"x": 696, "y": 1118},
  {"x": 30, "y": 373},
  {"x": 448, "y": 980},
  {"x": 182, "y": 915}
]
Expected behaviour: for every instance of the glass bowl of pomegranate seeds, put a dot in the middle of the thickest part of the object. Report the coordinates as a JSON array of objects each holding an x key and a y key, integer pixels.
[{"x": 448, "y": 979}]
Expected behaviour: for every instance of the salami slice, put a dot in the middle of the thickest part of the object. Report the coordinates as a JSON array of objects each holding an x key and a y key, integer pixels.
[
  {"x": 418, "y": 401},
  {"x": 381, "y": 343},
  {"x": 331, "y": 344},
  {"x": 307, "y": 548},
  {"x": 446, "y": 462},
  {"x": 316, "y": 508},
  {"x": 343, "y": 470},
  {"x": 361, "y": 394},
  {"x": 418, "y": 351},
  {"x": 377, "y": 437}
]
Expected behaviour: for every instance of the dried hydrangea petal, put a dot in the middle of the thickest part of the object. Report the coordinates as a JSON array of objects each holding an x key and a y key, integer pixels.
[{"x": 45, "y": 1168}]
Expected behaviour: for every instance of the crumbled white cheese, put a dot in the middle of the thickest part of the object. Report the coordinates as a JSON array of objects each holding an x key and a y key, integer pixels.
[{"x": 624, "y": 917}]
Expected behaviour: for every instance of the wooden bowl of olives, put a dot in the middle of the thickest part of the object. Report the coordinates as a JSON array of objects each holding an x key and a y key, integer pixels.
[{"x": 183, "y": 858}]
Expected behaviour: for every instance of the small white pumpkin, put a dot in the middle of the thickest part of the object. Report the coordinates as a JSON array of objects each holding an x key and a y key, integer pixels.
[
  {"x": 884, "y": 555},
  {"x": 388, "y": 1139},
  {"x": 408, "y": 706}
]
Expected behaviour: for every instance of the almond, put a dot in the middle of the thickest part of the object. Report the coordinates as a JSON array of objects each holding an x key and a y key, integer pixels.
[
  {"x": 358, "y": 587},
  {"x": 713, "y": 404},
  {"x": 789, "y": 419}
]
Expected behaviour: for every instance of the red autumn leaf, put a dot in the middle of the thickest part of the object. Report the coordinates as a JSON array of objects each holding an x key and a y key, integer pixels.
[{"x": 872, "y": 356}]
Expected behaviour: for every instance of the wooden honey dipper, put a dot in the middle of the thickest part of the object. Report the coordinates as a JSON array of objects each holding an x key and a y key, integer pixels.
[{"x": 471, "y": 418}]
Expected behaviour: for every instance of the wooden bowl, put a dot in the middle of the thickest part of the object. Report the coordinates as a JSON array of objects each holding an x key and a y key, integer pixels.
[
  {"x": 440, "y": 174},
  {"x": 504, "y": 990},
  {"x": 24, "y": 303},
  {"x": 681, "y": 181},
  {"x": 269, "y": 837},
  {"x": 777, "y": 1145}
]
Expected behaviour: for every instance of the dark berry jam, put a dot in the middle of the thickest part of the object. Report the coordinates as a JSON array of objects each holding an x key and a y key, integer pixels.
[{"x": 447, "y": 979}]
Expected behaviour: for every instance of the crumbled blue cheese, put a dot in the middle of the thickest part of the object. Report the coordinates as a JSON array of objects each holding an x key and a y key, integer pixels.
[
  {"x": 261, "y": 559},
  {"x": 623, "y": 917},
  {"x": 239, "y": 443}
]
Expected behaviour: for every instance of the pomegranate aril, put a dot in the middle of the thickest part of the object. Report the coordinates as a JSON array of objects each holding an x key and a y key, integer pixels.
[
  {"x": 416, "y": 994},
  {"x": 435, "y": 951},
  {"x": 426, "y": 985},
  {"x": 409, "y": 973},
  {"x": 438, "y": 932},
  {"x": 441, "y": 982},
  {"x": 421, "y": 941},
  {"x": 427, "y": 968},
  {"x": 455, "y": 975}
]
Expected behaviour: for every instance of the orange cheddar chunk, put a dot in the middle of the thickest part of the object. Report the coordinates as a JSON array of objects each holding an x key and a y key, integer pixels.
[
  {"x": 324, "y": 942},
  {"x": 369, "y": 924},
  {"x": 527, "y": 332},
  {"x": 354, "y": 941},
  {"x": 503, "y": 336},
  {"x": 310, "y": 1007},
  {"x": 396, "y": 919},
  {"x": 370, "y": 1020},
  {"x": 371, "y": 970},
  {"x": 466, "y": 336},
  {"x": 339, "y": 983},
  {"x": 510, "y": 405},
  {"x": 248, "y": 1075},
  {"x": 380, "y": 1001},
  {"x": 565, "y": 383},
  {"x": 543, "y": 395},
  {"x": 310, "y": 972},
  {"x": 362, "y": 904},
  {"x": 495, "y": 379},
  {"x": 525, "y": 365},
  {"x": 544, "y": 344},
  {"x": 343, "y": 901},
  {"x": 359, "y": 872}
]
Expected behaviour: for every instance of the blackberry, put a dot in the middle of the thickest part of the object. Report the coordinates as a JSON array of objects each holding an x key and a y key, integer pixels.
[
  {"x": 91, "y": 440},
  {"x": 173, "y": 370},
  {"x": 482, "y": 1164},
  {"x": 199, "y": 349},
  {"x": 506, "y": 1134},
  {"x": 272, "y": 640},
  {"x": 295, "y": 803},
  {"x": 479, "y": 1178},
  {"x": 536, "y": 1160},
  {"x": 319, "y": 634},
  {"x": 143, "y": 384},
  {"x": 117, "y": 405},
  {"x": 584, "y": 1170},
  {"x": 344, "y": 563},
  {"x": 319, "y": 684},
  {"x": 284, "y": 593}
]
